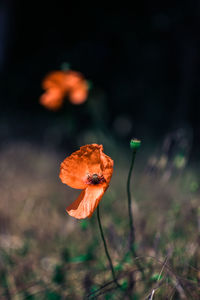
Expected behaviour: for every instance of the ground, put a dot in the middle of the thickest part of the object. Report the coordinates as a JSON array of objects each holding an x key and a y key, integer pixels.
[{"x": 46, "y": 254}]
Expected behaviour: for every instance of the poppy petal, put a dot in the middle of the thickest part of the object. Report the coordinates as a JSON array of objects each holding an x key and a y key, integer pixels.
[
  {"x": 55, "y": 79},
  {"x": 75, "y": 169},
  {"x": 79, "y": 93},
  {"x": 106, "y": 166},
  {"x": 73, "y": 78},
  {"x": 52, "y": 99},
  {"x": 87, "y": 202}
]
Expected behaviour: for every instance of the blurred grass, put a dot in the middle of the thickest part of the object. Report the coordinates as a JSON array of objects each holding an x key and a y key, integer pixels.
[{"x": 46, "y": 254}]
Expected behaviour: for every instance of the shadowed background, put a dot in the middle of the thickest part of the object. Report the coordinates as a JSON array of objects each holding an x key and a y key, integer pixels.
[{"x": 144, "y": 60}]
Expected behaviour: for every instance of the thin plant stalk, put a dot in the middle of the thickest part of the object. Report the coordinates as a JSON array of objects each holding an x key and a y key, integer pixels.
[
  {"x": 106, "y": 248},
  {"x": 134, "y": 144},
  {"x": 131, "y": 223}
]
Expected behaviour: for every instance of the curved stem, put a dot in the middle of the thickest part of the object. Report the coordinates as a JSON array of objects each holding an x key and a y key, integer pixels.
[
  {"x": 131, "y": 223},
  {"x": 106, "y": 248}
]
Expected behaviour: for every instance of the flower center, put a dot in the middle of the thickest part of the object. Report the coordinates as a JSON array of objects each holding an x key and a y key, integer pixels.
[{"x": 95, "y": 179}]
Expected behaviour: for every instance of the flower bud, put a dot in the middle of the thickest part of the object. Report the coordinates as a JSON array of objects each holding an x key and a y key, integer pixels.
[{"x": 135, "y": 144}]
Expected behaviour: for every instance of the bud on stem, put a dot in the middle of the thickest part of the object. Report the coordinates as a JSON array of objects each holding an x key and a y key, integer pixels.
[{"x": 135, "y": 144}]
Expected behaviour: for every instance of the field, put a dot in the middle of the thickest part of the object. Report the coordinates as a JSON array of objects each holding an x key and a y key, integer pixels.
[{"x": 46, "y": 254}]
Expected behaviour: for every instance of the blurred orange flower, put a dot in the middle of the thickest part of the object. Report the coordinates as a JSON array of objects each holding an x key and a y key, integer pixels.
[
  {"x": 59, "y": 84},
  {"x": 91, "y": 170}
]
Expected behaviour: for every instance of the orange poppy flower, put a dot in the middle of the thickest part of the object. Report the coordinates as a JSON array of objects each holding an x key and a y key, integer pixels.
[
  {"x": 88, "y": 169},
  {"x": 59, "y": 84}
]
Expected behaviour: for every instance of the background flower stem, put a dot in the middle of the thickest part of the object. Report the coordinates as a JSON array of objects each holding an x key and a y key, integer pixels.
[
  {"x": 106, "y": 248},
  {"x": 131, "y": 223}
]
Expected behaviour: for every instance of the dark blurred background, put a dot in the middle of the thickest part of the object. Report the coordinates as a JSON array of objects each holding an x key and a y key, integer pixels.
[
  {"x": 142, "y": 60},
  {"x": 142, "y": 64}
]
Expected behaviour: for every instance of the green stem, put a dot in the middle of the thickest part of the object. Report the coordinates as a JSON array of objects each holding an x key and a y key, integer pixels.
[
  {"x": 131, "y": 223},
  {"x": 106, "y": 248}
]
